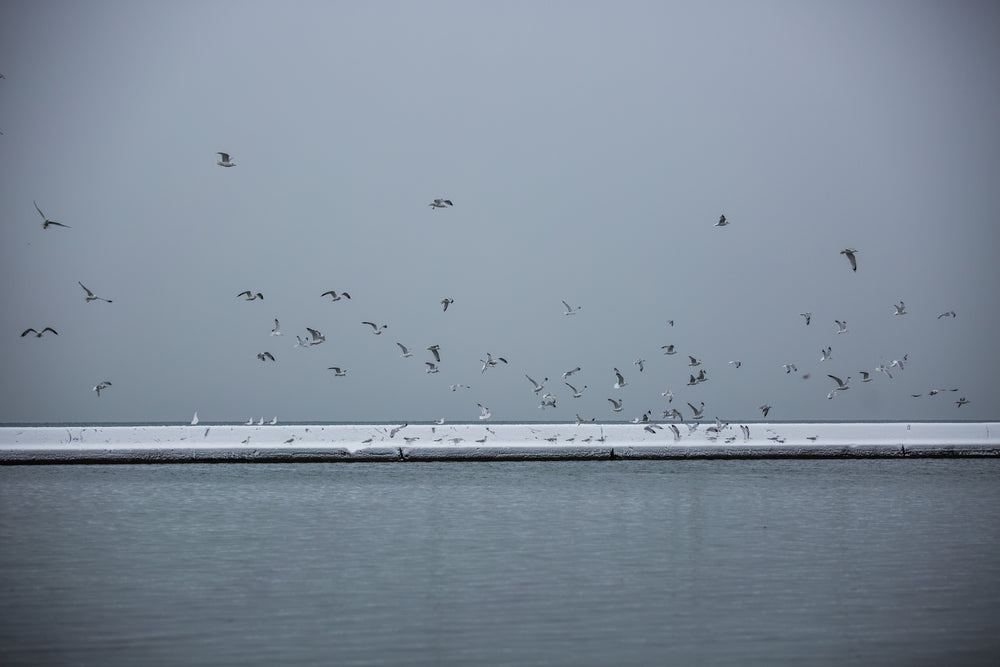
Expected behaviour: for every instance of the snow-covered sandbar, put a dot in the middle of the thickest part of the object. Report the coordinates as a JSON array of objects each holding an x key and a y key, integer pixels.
[{"x": 491, "y": 442}]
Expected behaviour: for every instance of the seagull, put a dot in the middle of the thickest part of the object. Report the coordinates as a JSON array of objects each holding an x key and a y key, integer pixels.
[
  {"x": 692, "y": 381},
  {"x": 765, "y": 409},
  {"x": 276, "y": 331},
  {"x": 194, "y": 420},
  {"x": 639, "y": 363},
  {"x": 736, "y": 363},
  {"x": 570, "y": 310},
  {"x": 38, "y": 334},
  {"x": 107, "y": 383},
  {"x": 445, "y": 302},
  {"x": 334, "y": 296},
  {"x": 431, "y": 367},
  {"x": 265, "y": 356},
  {"x": 225, "y": 161},
  {"x": 337, "y": 371},
  {"x": 491, "y": 362},
  {"x": 849, "y": 252},
  {"x": 616, "y": 406},
  {"x": 826, "y": 354},
  {"x": 668, "y": 349},
  {"x": 898, "y": 363},
  {"x": 701, "y": 376},
  {"x": 440, "y": 203},
  {"x": 538, "y": 387},
  {"x": 841, "y": 326},
  {"x": 841, "y": 384},
  {"x": 621, "y": 380},
  {"x": 484, "y": 412},
  {"x": 697, "y": 411},
  {"x": 693, "y": 362},
  {"x": 568, "y": 373},
  {"x": 317, "y": 337},
  {"x": 950, "y": 313},
  {"x": 808, "y": 317},
  {"x": 900, "y": 308},
  {"x": 406, "y": 353},
  {"x": 882, "y": 367},
  {"x": 458, "y": 386},
  {"x": 576, "y": 393},
  {"x": 377, "y": 330},
  {"x": 301, "y": 342},
  {"x": 436, "y": 351},
  {"x": 45, "y": 221},
  {"x": 90, "y": 295},
  {"x": 669, "y": 396},
  {"x": 864, "y": 376},
  {"x": 789, "y": 368},
  {"x": 250, "y": 296},
  {"x": 960, "y": 402},
  {"x": 722, "y": 221}
]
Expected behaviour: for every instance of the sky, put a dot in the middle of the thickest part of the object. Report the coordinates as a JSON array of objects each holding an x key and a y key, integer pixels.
[{"x": 589, "y": 149}]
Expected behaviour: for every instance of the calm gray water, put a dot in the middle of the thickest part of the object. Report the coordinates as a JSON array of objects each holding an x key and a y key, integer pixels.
[{"x": 579, "y": 563}]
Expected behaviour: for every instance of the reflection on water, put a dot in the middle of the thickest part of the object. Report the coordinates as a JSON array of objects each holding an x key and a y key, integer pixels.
[{"x": 719, "y": 562}]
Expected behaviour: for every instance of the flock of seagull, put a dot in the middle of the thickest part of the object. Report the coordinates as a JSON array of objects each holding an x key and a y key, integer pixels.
[{"x": 548, "y": 399}]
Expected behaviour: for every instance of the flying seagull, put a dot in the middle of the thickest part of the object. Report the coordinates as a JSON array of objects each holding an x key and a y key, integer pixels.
[
  {"x": 405, "y": 352},
  {"x": 337, "y": 371},
  {"x": 570, "y": 310},
  {"x": 445, "y": 302},
  {"x": 440, "y": 203},
  {"x": 45, "y": 221},
  {"x": 490, "y": 362},
  {"x": 377, "y": 330},
  {"x": 38, "y": 334},
  {"x": 962, "y": 401},
  {"x": 570, "y": 372},
  {"x": 576, "y": 393},
  {"x": 317, "y": 337},
  {"x": 849, "y": 252},
  {"x": 250, "y": 296},
  {"x": 722, "y": 221},
  {"x": 436, "y": 351},
  {"x": 950, "y": 313},
  {"x": 616, "y": 406},
  {"x": 225, "y": 161},
  {"x": 808, "y": 317},
  {"x": 841, "y": 384},
  {"x": 900, "y": 308},
  {"x": 106, "y": 384},
  {"x": 431, "y": 367},
  {"x": 668, "y": 349},
  {"x": 841, "y": 326},
  {"x": 765, "y": 409},
  {"x": 621, "y": 381},
  {"x": 265, "y": 356},
  {"x": 276, "y": 331},
  {"x": 698, "y": 411},
  {"x": 90, "y": 295},
  {"x": 538, "y": 387},
  {"x": 484, "y": 411},
  {"x": 334, "y": 296}
]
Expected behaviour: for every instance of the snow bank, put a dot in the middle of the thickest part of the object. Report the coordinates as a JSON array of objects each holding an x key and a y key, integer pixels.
[{"x": 483, "y": 441}]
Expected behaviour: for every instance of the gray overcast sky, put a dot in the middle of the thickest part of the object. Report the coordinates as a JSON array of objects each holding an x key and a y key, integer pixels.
[{"x": 589, "y": 149}]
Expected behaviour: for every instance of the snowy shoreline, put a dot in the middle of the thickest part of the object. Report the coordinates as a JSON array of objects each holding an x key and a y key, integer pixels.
[{"x": 486, "y": 442}]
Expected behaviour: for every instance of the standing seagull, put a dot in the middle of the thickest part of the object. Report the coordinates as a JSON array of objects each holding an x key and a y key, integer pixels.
[
  {"x": 45, "y": 221},
  {"x": 90, "y": 295},
  {"x": 440, "y": 203},
  {"x": 849, "y": 252},
  {"x": 225, "y": 161}
]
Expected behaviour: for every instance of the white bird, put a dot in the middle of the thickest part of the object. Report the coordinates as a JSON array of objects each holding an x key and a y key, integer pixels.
[
  {"x": 639, "y": 363},
  {"x": 677, "y": 433},
  {"x": 765, "y": 409},
  {"x": 576, "y": 393},
  {"x": 669, "y": 395},
  {"x": 898, "y": 363},
  {"x": 849, "y": 253},
  {"x": 616, "y": 406},
  {"x": 571, "y": 310},
  {"x": 570, "y": 372},
  {"x": 459, "y": 386},
  {"x": 38, "y": 334},
  {"x": 736, "y": 363},
  {"x": 962, "y": 401},
  {"x": 334, "y": 296},
  {"x": 445, "y": 302},
  {"x": 882, "y": 367},
  {"x": 377, "y": 330},
  {"x": 250, "y": 296},
  {"x": 301, "y": 343},
  {"x": 265, "y": 356},
  {"x": 789, "y": 368},
  {"x": 484, "y": 411},
  {"x": 668, "y": 349},
  {"x": 194, "y": 420},
  {"x": 249, "y": 422},
  {"x": 431, "y": 367},
  {"x": 225, "y": 161},
  {"x": 45, "y": 221},
  {"x": 436, "y": 351},
  {"x": 490, "y": 362},
  {"x": 405, "y": 352},
  {"x": 841, "y": 384},
  {"x": 808, "y": 317},
  {"x": 864, "y": 376},
  {"x": 722, "y": 221},
  {"x": 440, "y": 203},
  {"x": 621, "y": 380},
  {"x": 102, "y": 385},
  {"x": 317, "y": 337},
  {"x": 90, "y": 295},
  {"x": 538, "y": 387},
  {"x": 826, "y": 354},
  {"x": 337, "y": 371},
  {"x": 950, "y": 313},
  {"x": 900, "y": 308},
  {"x": 693, "y": 362},
  {"x": 276, "y": 331},
  {"x": 274, "y": 420},
  {"x": 841, "y": 326},
  {"x": 698, "y": 411}
]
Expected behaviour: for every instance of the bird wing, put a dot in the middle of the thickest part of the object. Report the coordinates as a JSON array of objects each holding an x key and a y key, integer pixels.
[
  {"x": 225, "y": 156},
  {"x": 89, "y": 293},
  {"x": 27, "y": 331}
]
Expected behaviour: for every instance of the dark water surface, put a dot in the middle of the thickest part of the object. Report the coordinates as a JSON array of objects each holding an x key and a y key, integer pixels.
[{"x": 577, "y": 563}]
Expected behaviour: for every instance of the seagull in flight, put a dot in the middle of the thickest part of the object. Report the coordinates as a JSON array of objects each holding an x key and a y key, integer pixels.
[
  {"x": 722, "y": 221},
  {"x": 107, "y": 383},
  {"x": 317, "y": 337},
  {"x": 441, "y": 203},
  {"x": 250, "y": 296},
  {"x": 693, "y": 362},
  {"x": 377, "y": 330},
  {"x": 265, "y": 356},
  {"x": 808, "y": 317},
  {"x": 491, "y": 362},
  {"x": 436, "y": 351},
  {"x": 484, "y": 412},
  {"x": 900, "y": 308},
  {"x": 640, "y": 363},
  {"x": 90, "y": 295},
  {"x": 841, "y": 326},
  {"x": 276, "y": 331},
  {"x": 765, "y": 409},
  {"x": 737, "y": 363},
  {"x": 337, "y": 371},
  {"x": 698, "y": 411},
  {"x": 841, "y": 384},
  {"x": 849, "y": 253},
  {"x": 570, "y": 310},
  {"x": 668, "y": 349},
  {"x": 950, "y": 313},
  {"x": 405, "y": 351},
  {"x": 962, "y": 401},
  {"x": 38, "y": 334},
  {"x": 445, "y": 302},
  {"x": 669, "y": 395},
  {"x": 538, "y": 387},
  {"x": 865, "y": 376},
  {"x": 334, "y": 296},
  {"x": 616, "y": 406},
  {"x": 570, "y": 372},
  {"x": 789, "y": 368},
  {"x": 576, "y": 393},
  {"x": 621, "y": 380},
  {"x": 431, "y": 367},
  {"x": 827, "y": 354},
  {"x": 224, "y": 160},
  {"x": 45, "y": 221}
]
